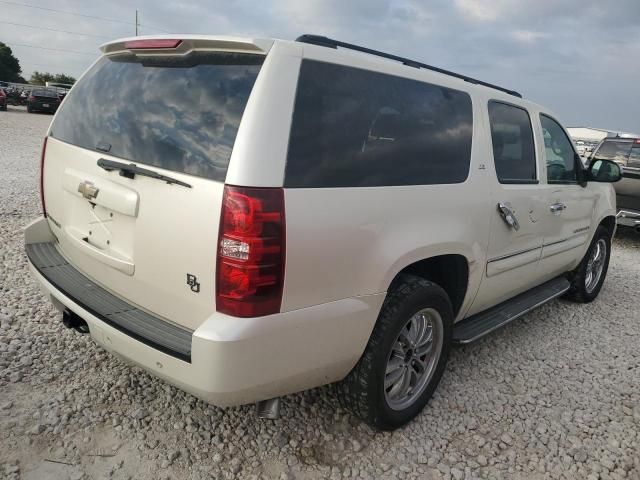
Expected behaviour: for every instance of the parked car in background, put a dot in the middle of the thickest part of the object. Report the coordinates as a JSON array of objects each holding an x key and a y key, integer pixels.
[
  {"x": 305, "y": 213},
  {"x": 15, "y": 96},
  {"x": 3, "y": 100},
  {"x": 625, "y": 151},
  {"x": 580, "y": 147},
  {"x": 43, "y": 100}
]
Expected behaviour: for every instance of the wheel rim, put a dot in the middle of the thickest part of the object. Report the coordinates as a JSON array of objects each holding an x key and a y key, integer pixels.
[
  {"x": 595, "y": 265},
  {"x": 413, "y": 358}
]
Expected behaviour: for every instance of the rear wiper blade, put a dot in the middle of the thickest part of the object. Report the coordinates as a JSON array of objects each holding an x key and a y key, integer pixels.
[{"x": 130, "y": 170}]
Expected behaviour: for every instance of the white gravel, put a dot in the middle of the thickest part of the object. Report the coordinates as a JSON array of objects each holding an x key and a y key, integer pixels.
[{"x": 554, "y": 395}]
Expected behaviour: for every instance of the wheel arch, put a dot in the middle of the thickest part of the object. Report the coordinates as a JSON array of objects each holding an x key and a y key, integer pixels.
[
  {"x": 449, "y": 271},
  {"x": 609, "y": 224}
]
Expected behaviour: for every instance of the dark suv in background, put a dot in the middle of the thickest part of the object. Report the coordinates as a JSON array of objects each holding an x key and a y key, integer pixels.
[
  {"x": 625, "y": 151},
  {"x": 43, "y": 100}
]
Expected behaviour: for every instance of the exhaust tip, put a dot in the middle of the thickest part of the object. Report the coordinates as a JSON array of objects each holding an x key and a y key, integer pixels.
[{"x": 268, "y": 409}]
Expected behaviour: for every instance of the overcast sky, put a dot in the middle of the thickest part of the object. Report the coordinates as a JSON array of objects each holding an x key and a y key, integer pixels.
[{"x": 580, "y": 58}]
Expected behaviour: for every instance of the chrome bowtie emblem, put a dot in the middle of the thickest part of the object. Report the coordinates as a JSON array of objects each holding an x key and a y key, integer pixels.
[{"x": 88, "y": 190}]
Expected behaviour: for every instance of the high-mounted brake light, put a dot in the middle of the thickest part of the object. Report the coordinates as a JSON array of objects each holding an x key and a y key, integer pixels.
[
  {"x": 251, "y": 252},
  {"x": 44, "y": 149},
  {"x": 152, "y": 43}
]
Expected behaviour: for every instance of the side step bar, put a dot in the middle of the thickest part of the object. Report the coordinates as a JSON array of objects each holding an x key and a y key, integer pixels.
[{"x": 480, "y": 324}]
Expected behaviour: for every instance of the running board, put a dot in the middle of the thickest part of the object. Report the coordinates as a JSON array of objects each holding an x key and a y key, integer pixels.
[{"x": 480, "y": 324}]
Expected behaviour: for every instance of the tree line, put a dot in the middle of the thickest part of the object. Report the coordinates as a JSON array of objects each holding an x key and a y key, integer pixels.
[{"x": 10, "y": 71}]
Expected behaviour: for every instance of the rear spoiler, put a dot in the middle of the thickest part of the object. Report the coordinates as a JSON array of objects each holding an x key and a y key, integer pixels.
[{"x": 176, "y": 44}]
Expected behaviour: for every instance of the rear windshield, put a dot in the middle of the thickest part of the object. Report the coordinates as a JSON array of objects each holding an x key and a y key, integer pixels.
[
  {"x": 618, "y": 151},
  {"x": 44, "y": 93},
  {"x": 177, "y": 113}
]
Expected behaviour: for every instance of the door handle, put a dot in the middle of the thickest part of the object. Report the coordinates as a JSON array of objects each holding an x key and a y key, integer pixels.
[
  {"x": 557, "y": 207},
  {"x": 507, "y": 215}
]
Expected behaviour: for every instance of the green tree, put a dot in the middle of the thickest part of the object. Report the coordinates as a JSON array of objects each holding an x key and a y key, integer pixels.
[
  {"x": 40, "y": 78},
  {"x": 9, "y": 65},
  {"x": 62, "y": 78}
]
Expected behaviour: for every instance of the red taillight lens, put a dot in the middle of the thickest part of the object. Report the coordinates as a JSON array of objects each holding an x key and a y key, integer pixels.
[
  {"x": 153, "y": 43},
  {"x": 32, "y": 98},
  {"x": 44, "y": 149},
  {"x": 251, "y": 252}
]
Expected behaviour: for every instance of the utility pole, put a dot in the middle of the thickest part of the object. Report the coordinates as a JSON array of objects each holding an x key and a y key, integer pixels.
[{"x": 137, "y": 24}]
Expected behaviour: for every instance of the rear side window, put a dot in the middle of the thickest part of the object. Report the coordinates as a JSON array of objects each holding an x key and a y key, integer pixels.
[
  {"x": 177, "y": 113},
  {"x": 357, "y": 128},
  {"x": 618, "y": 151},
  {"x": 513, "y": 147}
]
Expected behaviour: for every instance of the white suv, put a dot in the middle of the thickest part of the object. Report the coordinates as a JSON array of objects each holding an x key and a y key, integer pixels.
[{"x": 250, "y": 218}]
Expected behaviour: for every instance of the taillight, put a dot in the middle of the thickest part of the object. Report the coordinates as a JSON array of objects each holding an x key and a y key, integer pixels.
[
  {"x": 32, "y": 98},
  {"x": 44, "y": 149},
  {"x": 251, "y": 252}
]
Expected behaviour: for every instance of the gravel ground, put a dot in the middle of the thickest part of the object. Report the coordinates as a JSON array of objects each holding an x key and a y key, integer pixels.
[{"x": 554, "y": 395}]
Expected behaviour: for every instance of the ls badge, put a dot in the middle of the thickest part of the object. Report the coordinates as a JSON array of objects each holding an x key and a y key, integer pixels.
[{"x": 192, "y": 281}]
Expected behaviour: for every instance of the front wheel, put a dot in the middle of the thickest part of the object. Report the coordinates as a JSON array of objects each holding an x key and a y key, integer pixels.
[
  {"x": 587, "y": 279},
  {"x": 405, "y": 357}
]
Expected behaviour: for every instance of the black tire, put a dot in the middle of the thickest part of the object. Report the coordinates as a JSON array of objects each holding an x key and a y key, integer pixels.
[
  {"x": 362, "y": 391},
  {"x": 578, "y": 292},
  {"x": 29, "y": 109}
]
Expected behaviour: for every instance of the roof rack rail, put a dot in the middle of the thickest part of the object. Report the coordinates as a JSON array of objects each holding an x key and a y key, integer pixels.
[{"x": 331, "y": 43}]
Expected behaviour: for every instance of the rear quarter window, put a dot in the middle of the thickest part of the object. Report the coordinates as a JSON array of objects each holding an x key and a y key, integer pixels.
[
  {"x": 177, "y": 113},
  {"x": 358, "y": 128}
]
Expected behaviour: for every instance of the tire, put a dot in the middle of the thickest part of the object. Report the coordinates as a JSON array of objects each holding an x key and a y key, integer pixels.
[
  {"x": 585, "y": 289},
  {"x": 29, "y": 109},
  {"x": 363, "y": 391}
]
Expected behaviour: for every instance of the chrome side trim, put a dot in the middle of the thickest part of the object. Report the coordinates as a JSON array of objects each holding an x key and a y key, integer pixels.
[{"x": 520, "y": 252}]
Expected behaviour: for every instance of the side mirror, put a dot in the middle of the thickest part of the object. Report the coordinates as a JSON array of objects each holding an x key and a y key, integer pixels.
[{"x": 604, "y": 171}]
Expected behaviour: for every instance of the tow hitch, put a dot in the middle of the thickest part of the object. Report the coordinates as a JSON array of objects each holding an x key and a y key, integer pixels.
[{"x": 71, "y": 320}]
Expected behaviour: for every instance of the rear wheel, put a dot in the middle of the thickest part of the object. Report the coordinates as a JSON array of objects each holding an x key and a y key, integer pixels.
[
  {"x": 29, "y": 109},
  {"x": 405, "y": 357},
  {"x": 588, "y": 277}
]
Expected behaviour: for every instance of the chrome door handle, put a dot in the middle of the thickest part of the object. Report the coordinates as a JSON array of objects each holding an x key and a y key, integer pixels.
[
  {"x": 507, "y": 215},
  {"x": 557, "y": 207}
]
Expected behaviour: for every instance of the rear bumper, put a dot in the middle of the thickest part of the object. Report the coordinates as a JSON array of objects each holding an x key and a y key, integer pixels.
[
  {"x": 235, "y": 361},
  {"x": 41, "y": 108}
]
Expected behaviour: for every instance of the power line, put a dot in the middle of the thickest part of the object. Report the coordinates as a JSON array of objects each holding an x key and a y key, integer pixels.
[
  {"x": 39, "y": 65},
  {"x": 54, "y": 49},
  {"x": 95, "y": 17},
  {"x": 53, "y": 29},
  {"x": 66, "y": 12}
]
